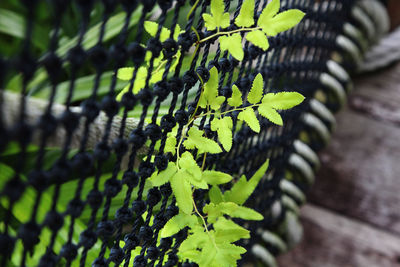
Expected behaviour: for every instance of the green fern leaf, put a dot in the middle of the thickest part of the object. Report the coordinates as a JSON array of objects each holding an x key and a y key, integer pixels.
[
  {"x": 192, "y": 171},
  {"x": 208, "y": 255},
  {"x": 250, "y": 118},
  {"x": 228, "y": 255},
  {"x": 239, "y": 192},
  {"x": 189, "y": 249},
  {"x": 210, "y": 94},
  {"x": 246, "y": 15},
  {"x": 218, "y": 18},
  {"x": 126, "y": 74},
  {"x": 283, "y": 100},
  {"x": 236, "y": 99},
  {"x": 271, "y": 114},
  {"x": 233, "y": 44},
  {"x": 243, "y": 189},
  {"x": 232, "y": 209},
  {"x": 170, "y": 145},
  {"x": 257, "y": 89},
  {"x": 285, "y": 21},
  {"x": 151, "y": 28},
  {"x": 215, "y": 195},
  {"x": 197, "y": 140},
  {"x": 269, "y": 11},
  {"x": 236, "y": 211},
  {"x": 182, "y": 192},
  {"x": 187, "y": 162},
  {"x": 216, "y": 177},
  {"x": 228, "y": 231},
  {"x": 264, "y": 20},
  {"x": 259, "y": 39},
  {"x": 272, "y": 23},
  {"x": 177, "y": 223},
  {"x": 160, "y": 178},
  {"x": 224, "y": 130}
]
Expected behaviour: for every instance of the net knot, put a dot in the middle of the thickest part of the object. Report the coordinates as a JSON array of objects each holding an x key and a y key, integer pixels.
[
  {"x": 190, "y": 78},
  {"x": 76, "y": 56},
  {"x": 112, "y": 187},
  {"x": 161, "y": 162},
  {"x": 155, "y": 46},
  {"x": 75, "y": 207},
  {"x": 120, "y": 146},
  {"x": 204, "y": 73},
  {"x": 116, "y": 255},
  {"x": 137, "y": 138},
  {"x": 29, "y": 234},
  {"x": 181, "y": 116},
  {"x": 69, "y": 251},
  {"x": 145, "y": 96},
  {"x": 161, "y": 90},
  {"x": 102, "y": 151},
  {"x": 124, "y": 215},
  {"x": 137, "y": 53},
  {"x": 168, "y": 122},
  {"x": 175, "y": 85},
  {"x": 39, "y": 179},
  {"x": 95, "y": 198},
  {"x": 90, "y": 109},
  {"x": 131, "y": 241},
  {"x": 130, "y": 178},
  {"x": 153, "y": 131},
  {"x": 105, "y": 229},
  {"x": 152, "y": 253},
  {"x": 225, "y": 64},
  {"x": 138, "y": 207},
  {"x": 146, "y": 169},
  {"x": 171, "y": 211},
  {"x": 110, "y": 106},
  {"x": 129, "y": 100},
  {"x": 87, "y": 238},
  {"x": 170, "y": 47},
  {"x": 54, "y": 220},
  {"x": 153, "y": 197},
  {"x": 145, "y": 233}
]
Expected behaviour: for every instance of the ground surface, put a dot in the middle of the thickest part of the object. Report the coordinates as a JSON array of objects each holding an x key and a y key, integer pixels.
[{"x": 353, "y": 215}]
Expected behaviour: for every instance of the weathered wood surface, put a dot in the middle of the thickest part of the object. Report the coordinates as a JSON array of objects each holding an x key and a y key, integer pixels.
[
  {"x": 360, "y": 177},
  {"x": 354, "y": 218},
  {"x": 378, "y": 96},
  {"x": 331, "y": 240}
]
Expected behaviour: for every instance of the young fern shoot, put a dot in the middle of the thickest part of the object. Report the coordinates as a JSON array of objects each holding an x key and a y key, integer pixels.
[{"x": 211, "y": 231}]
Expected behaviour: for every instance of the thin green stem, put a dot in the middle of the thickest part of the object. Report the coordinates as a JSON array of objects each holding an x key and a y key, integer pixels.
[
  {"x": 192, "y": 9},
  {"x": 204, "y": 223},
  {"x": 204, "y": 161},
  {"x": 184, "y": 130},
  {"x": 202, "y": 90},
  {"x": 227, "y": 33},
  {"x": 225, "y": 112}
]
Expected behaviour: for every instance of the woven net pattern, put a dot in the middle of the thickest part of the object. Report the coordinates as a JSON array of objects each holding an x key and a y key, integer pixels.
[{"x": 74, "y": 159}]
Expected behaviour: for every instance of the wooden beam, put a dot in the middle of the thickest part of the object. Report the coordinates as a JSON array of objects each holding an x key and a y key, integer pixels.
[{"x": 332, "y": 240}]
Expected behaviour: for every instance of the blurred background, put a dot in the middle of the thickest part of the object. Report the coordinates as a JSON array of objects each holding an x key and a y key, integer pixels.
[{"x": 352, "y": 217}]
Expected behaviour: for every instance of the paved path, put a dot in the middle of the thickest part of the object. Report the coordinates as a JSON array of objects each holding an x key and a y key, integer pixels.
[{"x": 353, "y": 215}]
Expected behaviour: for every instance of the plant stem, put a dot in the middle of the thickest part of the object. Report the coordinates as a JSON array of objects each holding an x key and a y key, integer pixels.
[
  {"x": 227, "y": 33},
  {"x": 204, "y": 161},
  {"x": 204, "y": 223}
]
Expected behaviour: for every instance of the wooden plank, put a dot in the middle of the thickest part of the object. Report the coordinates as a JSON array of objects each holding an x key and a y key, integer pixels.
[
  {"x": 376, "y": 109},
  {"x": 331, "y": 240},
  {"x": 383, "y": 87},
  {"x": 360, "y": 172}
]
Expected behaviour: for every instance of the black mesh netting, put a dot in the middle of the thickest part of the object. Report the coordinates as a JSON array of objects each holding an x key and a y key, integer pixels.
[{"x": 74, "y": 159}]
